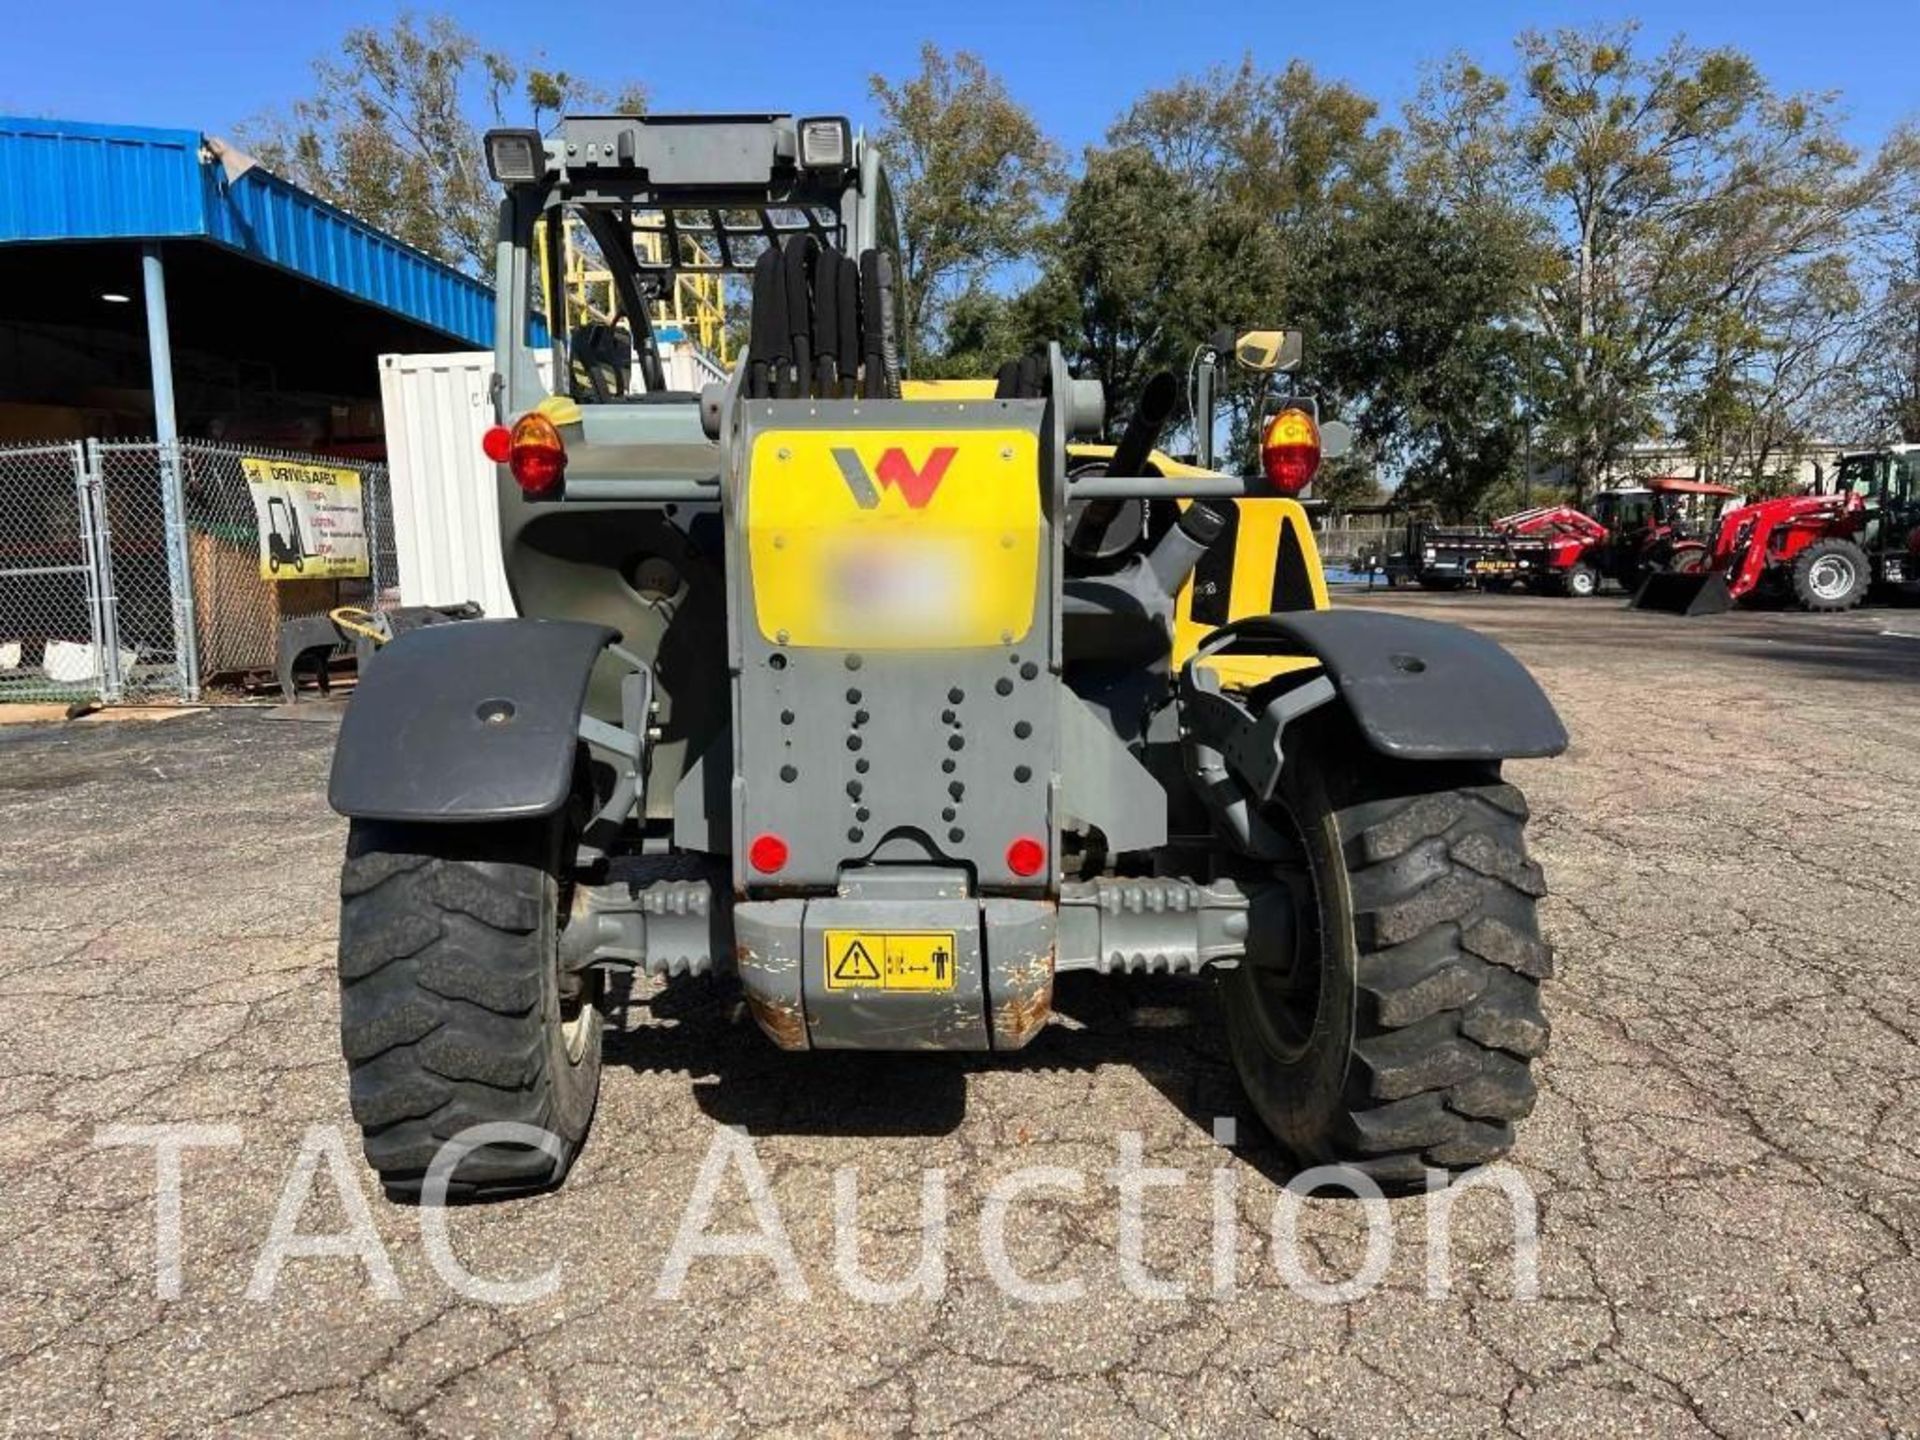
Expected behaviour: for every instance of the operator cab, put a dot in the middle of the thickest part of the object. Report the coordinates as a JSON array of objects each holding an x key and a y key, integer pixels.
[
  {"x": 1623, "y": 510},
  {"x": 626, "y": 242},
  {"x": 1672, "y": 504},
  {"x": 628, "y": 250},
  {"x": 1888, "y": 484}
]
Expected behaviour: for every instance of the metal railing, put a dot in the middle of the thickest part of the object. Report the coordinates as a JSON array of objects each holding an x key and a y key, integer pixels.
[{"x": 134, "y": 570}]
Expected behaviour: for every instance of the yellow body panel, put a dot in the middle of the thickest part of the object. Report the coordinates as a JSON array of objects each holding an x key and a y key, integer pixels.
[
  {"x": 560, "y": 409},
  {"x": 947, "y": 389},
  {"x": 1257, "y": 555},
  {"x": 894, "y": 539},
  {"x": 1258, "y": 550}
]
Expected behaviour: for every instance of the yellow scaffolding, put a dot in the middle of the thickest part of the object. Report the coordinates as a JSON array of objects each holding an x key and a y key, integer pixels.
[{"x": 696, "y": 302}]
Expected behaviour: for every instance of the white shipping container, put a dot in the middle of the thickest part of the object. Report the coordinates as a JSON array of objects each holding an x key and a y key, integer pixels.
[{"x": 446, "y": 515}]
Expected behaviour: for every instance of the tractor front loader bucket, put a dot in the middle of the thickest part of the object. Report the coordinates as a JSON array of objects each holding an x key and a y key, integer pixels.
[{"x": 1683, "y": 592}]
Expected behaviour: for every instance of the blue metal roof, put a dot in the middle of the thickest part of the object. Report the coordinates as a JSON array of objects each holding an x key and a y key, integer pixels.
[{"x": 66, "y": 180}]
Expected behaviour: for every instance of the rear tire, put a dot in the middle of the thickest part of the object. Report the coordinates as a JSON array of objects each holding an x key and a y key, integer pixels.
[
  {"x": 1830, "y": 575},
  {"x": 451, "y": 1008},
  {"x": 1687, "y": 559},
  {"x": 1396, "y": 1033}
]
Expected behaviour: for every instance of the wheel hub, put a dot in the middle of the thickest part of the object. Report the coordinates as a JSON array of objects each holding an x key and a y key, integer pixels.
[
  {"x": 1283, "y": 961},
  {"x": 577, "y": 988},
  {"x": 1831, "y": 577}
]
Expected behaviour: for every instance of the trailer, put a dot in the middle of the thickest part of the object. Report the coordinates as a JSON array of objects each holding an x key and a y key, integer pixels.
[{"x": 1459, "y": 557}]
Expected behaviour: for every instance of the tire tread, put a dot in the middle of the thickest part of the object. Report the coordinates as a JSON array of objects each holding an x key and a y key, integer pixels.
[
  {"x": 441, "y": 1004},
  {"x": 1450, "y": 960}
]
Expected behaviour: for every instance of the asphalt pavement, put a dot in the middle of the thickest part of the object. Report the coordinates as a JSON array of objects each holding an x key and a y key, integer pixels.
[{"x": 1725, "y": 1155}]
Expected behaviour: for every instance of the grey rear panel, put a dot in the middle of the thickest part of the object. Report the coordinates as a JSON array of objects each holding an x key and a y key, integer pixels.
[{"x": 937, "y": 758}]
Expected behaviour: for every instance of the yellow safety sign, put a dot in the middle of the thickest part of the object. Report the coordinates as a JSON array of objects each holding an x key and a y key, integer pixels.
[{"x": 891, "y": 959}]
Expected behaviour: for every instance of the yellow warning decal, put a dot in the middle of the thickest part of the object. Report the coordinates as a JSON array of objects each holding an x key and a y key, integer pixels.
[{"x": 891, "y": 959}]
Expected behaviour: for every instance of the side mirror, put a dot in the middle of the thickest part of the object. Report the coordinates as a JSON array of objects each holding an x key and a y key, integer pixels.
[
  {"x": 1266, "y": 352},
  {"x": 1336, "y": 439}
]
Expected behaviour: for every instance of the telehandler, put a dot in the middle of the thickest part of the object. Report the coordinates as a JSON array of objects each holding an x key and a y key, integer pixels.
[{"x": 897, "y": 701}]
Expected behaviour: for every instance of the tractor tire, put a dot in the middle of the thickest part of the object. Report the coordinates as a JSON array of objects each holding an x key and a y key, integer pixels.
[
  {"x": 1831, "y": 574},
  {"x": 452, "y": 1011},
  {"x": 1581, "y": 582},
  {"x": 1687, "y": 559},
  {"x": 1389, "y": 1021}
]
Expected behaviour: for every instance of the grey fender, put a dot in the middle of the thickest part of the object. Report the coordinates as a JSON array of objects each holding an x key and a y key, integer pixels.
[
  {"x": 1416, "y": 689},
  {"x": 474, "y": 721}
]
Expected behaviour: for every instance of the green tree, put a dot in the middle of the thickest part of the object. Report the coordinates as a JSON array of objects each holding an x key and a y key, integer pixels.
[
  {"x": 1350, "y": 481},
  {"x": 1662, "y": 194},
  {"x": 1285, "y": 146},
  {"x": 1122, "y": 272},
  {"x": 1195, "y": 214},
  {"x": 983, "y": 328},
  {"x": 1885, "y": 364},
  {"x": 390, "y": 132},
  {"x": 971, "y": 170},
  {"x": 1888, "y": 359},
  {"x": 1772, "y": 376},
  {"x": 1408, "y": 314}
]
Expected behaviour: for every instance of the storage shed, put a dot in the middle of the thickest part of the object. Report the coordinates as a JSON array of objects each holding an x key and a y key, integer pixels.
[{"x": 159, "y": 282}]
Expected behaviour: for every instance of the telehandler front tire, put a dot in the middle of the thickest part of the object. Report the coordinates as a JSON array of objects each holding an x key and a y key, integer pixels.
[
  {"x": 1389, "y": 1019},
  {"x": 453, "y": 1011}
]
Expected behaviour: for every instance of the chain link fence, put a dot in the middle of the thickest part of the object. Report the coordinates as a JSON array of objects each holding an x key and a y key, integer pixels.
[
  {"x": 50, "y": 604},
  {"x": 1347, "y": 542},
  {"x": 133, "y": 570}
]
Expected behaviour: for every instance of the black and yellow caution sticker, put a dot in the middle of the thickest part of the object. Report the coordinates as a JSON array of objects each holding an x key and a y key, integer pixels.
[{"x": 890, "y": 959}]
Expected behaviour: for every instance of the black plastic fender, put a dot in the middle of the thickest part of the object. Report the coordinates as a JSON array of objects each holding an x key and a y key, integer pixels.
[
  {"x": 1417, "y": 689},
  {"x": 474, "y": 721}
]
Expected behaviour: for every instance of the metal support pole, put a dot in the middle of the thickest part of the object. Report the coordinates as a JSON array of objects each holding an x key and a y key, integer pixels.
[
  {"x": 1526, "y": 463},
  {"x": 172, "y": 490},
  {"x": 1203, "y": 384},
  {"x": 97, "y": 551}
]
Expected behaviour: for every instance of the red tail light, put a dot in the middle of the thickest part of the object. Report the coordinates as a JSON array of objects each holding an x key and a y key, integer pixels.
[
  {"x": 536, "y": 455},
  {"x": 1290, "y": 451},
  {"x": 497, "y": 443},
  {"x": 1026, "y": 855},
  {"x": 768, "y": 853}
]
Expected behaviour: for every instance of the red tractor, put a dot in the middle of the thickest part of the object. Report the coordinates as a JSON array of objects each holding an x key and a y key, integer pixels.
[
  {"x": 1804, "y": 546},
  {"x": 1624, "y": 535}
]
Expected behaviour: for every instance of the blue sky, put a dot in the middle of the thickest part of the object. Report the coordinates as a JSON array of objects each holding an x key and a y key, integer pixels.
[{"x": 196, "y": 64}]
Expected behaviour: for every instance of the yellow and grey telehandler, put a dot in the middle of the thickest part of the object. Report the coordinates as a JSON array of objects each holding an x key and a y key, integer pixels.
[{"x": 897, "y": 701}]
